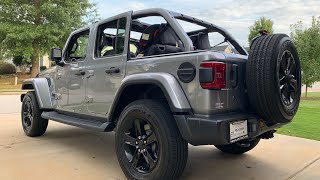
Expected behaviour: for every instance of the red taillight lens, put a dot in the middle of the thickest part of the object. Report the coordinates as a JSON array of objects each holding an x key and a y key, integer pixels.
[{"x": 218, "y": 75}]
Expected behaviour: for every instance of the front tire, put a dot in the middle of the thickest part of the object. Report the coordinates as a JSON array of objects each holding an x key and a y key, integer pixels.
[
  {"x": 238, "y": 147},
  {"x": 148, "y": 142},
  {"x": 32, "y": 123}
]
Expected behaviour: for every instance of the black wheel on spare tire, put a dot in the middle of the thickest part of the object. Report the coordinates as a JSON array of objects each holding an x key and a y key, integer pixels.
[
  {"x": 148, "y": 142},
  {"x": 274, "y": 78},
  {"x": 32, "y": 123},
  {"x": 238, "y": 147}
]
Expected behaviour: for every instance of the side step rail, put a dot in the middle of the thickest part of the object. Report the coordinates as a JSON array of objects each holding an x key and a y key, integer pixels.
[{"x": 79, "y": 122}]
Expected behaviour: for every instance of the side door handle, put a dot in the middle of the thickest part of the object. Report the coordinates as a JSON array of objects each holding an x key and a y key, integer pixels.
[
  {"x": 112, "y": 70},
  {"x": 80, "y": 73}
]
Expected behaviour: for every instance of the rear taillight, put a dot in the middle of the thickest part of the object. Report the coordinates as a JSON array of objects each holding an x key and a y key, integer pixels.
[{"x": 212, "y": 75}]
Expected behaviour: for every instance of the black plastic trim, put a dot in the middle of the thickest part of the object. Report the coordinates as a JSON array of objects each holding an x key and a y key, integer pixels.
[
  {"x": 154, "y": 82},
  {"x": 186, "y": 72},
  {"x": 205, "y": 75},
  {"x": 79, "y": 122},
  {"x": 203, "y": 130}
]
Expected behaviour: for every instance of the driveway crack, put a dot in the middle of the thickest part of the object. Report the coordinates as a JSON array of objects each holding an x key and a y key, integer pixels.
[{"x": 302, "y": 169}]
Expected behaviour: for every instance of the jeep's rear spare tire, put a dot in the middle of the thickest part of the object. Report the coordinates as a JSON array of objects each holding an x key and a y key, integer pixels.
[{"x": 274, "y": 78}]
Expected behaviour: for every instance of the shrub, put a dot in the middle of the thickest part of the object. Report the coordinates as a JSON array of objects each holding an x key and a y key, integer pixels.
[
  {"x": 43, "y": 68},
  {"x": 18, "y": 60},
  {"x": 6, "y": 68}
]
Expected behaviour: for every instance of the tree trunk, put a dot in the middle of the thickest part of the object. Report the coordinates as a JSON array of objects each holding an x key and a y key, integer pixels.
[
  {"x": 35, "y": 60},
  {"x": 35, "y": 44},
  {"x": 306, "y": 93}
]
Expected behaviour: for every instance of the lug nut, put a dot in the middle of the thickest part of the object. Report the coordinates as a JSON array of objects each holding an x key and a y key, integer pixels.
[
  {"x": 136, "y": 142},
  {"x": 139, "y": 150},
  {"x": 145, "y": 142},
  {"x": 139, "y": 137}
]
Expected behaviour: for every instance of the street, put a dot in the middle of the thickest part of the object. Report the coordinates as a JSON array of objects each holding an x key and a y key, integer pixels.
[{"x": 66, "y": 152}]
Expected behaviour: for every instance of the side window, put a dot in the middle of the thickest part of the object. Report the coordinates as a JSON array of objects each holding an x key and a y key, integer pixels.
[
  {"x": 153, "y": 35},
  {"x": 111, "y": 38},
  {"x": 77, "y": 48}
]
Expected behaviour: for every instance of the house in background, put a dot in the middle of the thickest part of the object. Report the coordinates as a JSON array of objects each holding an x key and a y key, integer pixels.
[
  {"x": 44, "y": 61},
  {"x": 224, "y": 48}
]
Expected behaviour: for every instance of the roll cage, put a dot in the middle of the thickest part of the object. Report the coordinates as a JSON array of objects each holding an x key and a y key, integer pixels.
[{"x": 171, "y": 17}]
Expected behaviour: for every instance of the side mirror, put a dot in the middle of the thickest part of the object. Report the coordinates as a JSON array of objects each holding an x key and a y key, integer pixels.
[{"x": 56, "y": 54}]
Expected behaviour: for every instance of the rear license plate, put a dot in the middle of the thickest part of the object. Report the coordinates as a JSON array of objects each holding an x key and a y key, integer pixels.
[{"x": 238, "y": 130}]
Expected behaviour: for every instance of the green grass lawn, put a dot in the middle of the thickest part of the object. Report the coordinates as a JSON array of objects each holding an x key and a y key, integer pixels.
[
  {"x": 306, "y": 123},
  {"x": 311, "y": 94},
  {"x": 7, "y": 82}
]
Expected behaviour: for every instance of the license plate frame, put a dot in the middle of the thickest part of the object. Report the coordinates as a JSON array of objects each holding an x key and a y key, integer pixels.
[{"x": 238, "y": 130}]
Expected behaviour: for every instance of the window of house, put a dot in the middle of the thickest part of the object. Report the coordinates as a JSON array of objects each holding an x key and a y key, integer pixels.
[
  {"x": 77, "y": 48},
  {"x": 111, "y": 38}
]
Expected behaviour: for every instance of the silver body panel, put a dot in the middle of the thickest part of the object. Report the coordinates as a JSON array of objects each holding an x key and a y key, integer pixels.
[{"x": 95, "y": 92}]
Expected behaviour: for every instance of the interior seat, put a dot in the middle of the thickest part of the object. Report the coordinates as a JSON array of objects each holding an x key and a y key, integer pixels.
[
  {"x": 201, "y": 41},
  {"x": 147, "y": 38},
  {"x": 111, "y": 41},
  {"x": 165, "y": 42}
]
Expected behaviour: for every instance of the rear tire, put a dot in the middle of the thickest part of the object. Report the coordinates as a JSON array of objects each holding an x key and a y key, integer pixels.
[
  {"x": 32, "y": 123},
  {"x": 274, "y": 78},
  {"x": 164, "y": 157},
  {"x": 238, "y": 147}
]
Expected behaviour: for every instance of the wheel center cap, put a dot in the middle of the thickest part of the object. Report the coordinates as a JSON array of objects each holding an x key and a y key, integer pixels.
[{"x": 288, "y": 78}]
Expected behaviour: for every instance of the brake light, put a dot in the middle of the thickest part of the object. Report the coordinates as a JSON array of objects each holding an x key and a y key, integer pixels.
[{"x": 212, "y": 75}]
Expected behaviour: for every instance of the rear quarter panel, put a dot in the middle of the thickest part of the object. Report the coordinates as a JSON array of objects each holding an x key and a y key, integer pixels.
[{"x": 202, "y": 101}]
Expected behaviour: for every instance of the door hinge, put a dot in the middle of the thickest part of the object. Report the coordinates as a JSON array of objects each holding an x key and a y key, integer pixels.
[
  {"x": 57, "y": 96},
  {"x": 89, "y": 99},
  {"x": 90, "y": 73},
  {"x": 58, "y": 76}
]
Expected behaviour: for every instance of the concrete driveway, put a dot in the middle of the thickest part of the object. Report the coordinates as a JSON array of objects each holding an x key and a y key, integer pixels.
[{"x": 66, "y": 152}]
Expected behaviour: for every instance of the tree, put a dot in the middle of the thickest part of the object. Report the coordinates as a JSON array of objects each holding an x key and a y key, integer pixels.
[
  {"x": 307, "y": 41},
  {"x": 21, "y": 62},
  {"x": 262, "y": 24},
  {"x": 34, "y": 26}
]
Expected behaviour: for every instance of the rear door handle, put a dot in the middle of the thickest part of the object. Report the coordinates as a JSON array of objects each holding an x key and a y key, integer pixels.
[
  {"x": 112, "y": 70},
  {"x": 80, "y": 73}
]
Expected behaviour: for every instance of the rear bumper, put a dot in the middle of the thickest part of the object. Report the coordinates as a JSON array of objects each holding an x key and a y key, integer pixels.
[{"x": 202, "y": 130}]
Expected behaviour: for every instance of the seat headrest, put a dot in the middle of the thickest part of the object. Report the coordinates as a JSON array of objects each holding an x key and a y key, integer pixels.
[
  {"x": 203, "y": 41},
  {"x": 106, "y": 41},
  {"x": 149, "y": 34},
  {"x": 168, "y": 37}
]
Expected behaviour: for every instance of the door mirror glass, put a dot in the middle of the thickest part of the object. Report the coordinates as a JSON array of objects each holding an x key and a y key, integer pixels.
[{"x": 56, "y": 54}]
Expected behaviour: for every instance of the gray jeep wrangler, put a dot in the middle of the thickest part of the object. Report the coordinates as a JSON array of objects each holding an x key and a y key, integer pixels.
[{"x": 161, "y": 80}]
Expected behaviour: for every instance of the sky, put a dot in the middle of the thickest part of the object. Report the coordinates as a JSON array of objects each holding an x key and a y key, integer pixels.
[{"x": 234, "y": 15}]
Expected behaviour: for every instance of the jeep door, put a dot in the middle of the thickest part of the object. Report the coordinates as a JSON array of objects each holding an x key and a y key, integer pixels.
[
  {"x": 70, "y": 83},
  {"x": 107, "y": 68}
]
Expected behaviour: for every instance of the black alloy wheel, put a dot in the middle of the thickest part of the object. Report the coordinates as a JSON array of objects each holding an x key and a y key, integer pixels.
[
  {"x": 148, "y": 142},
  {"x": 27, "y": 117},
  {"x": 288, "y": 79},
  {"x": 32, "y": 123},
  {"x": 141, "y": 146}
]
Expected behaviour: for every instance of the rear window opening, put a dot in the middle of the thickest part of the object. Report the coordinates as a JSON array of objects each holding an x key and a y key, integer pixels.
[{"x": 206, "y": 39}]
